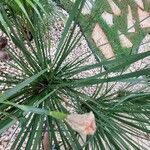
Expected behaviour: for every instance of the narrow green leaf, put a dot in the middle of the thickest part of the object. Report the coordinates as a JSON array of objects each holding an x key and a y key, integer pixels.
[{"x": 7, "y": 94}]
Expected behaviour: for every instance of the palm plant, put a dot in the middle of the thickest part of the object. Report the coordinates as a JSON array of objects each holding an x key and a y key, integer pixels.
[{"x": 43, "y": 82}]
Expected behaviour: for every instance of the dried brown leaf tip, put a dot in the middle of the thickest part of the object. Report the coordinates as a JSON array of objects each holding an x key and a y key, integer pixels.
[
  {"x": 27, "y": 34},
  {"x": 3, "y": 54},
  {"x": 3, "y": 42},
  {"x": 46, "y": 142}
]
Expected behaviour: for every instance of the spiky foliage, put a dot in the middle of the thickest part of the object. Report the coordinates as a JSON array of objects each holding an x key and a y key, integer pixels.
[
  {"x": 118, "y": 26},
  {"x": 42, "y": 82}
]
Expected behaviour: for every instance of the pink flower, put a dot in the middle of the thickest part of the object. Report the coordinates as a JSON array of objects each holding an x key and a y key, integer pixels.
[{"x": 82, "y": 123}]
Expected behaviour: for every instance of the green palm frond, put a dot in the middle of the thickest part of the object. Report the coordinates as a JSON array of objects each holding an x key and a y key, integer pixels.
[{"x": 113, "y": 28}]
